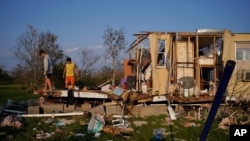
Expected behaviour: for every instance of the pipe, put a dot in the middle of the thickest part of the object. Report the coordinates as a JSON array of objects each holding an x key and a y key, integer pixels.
[
  {"x": 52, "y": 115},
  {"x": 226, "y": 75},
  {"x": 13, "y": 111}
]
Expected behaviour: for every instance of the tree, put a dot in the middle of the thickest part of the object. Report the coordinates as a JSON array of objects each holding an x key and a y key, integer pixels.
[
  {"x": 88, "y": 60},
  {"x": 27, "y": 48},
  {"x": 114, "y": 43},
  {"x": 58, "y": 81},
  {"x": 18, "y": 74},
  {"x": 5, "y": 77},
  {"x": 47, "y": 42},
  {"x": 104, "y": 73}
]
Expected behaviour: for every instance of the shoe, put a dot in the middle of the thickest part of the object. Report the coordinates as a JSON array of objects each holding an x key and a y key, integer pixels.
[{"x": 49, "y": 95}]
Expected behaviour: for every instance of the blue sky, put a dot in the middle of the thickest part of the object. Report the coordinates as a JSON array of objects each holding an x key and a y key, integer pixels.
[{"x": 81, "y": 23}]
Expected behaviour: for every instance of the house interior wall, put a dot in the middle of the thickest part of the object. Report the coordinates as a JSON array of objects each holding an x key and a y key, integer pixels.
[
  {"x": 185, "y": 55},
  {"x": 160, "y": 76}
]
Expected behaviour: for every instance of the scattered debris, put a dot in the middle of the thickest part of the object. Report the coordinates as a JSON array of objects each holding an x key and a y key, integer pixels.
[
  {"x": 139, "y": 123},
  {"x": 50, "y": 120},
  {"x": 227, "y": 121},
  {"x": 67, "y": 121},
  {"x": 59, "y": 123},
  {"x": 117, "y": 131},
  {"x": 190, "y": 124},
  {"x": 42, "y": 135},
  {"x": 160, "y": 133},
  {"x": 79, "y": 134},
  {"x": 96, "y": 123},
  {"x": 168, "y": 121},
  {"x": 13, "y": 121}
]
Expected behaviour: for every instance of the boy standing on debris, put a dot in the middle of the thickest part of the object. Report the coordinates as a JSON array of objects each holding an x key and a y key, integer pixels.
[
  {"x": 69, "y": 73},
  {"x": 48, "y": 69}
]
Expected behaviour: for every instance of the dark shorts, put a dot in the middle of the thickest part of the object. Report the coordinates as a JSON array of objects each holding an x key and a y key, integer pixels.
[{"x": 49, "y": 75}]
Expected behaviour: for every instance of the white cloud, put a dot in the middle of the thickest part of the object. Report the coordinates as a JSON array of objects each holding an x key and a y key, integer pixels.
[
  {"x": 71, "y": 50},
  {"x": 5, "y": 52},
  {"x": 98, "y": 49},
  {"x": 94, "y": 47}
]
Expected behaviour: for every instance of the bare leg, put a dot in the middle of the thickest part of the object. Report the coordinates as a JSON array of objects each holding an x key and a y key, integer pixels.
[
  {"x": 45, "y": 84},
  {"x": 73, "y": 86},
  {"x": 66, "y": 85},
  {"x": 48, "y": 83}
]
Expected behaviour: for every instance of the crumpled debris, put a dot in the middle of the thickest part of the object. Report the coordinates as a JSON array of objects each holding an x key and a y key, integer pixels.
[
  {"x": 59, "y": 123},
  {"x": 79, "y": 134},
  {"x": 43, "y": 135},
  {"x": 12, "y": 120},
  {"x": 66, "y": 121},
  {"x": 96, "y": 123},
  {"x": 190, "y": 124},
  {"x": 160, "y": 133},
  {"x": 50, "y": 120},
  {"x": 117, "y": 130},
  {"x": 139, "y": 123},
  {"x": 168, "y": 121},
  {"x": 226, "y": 122}
]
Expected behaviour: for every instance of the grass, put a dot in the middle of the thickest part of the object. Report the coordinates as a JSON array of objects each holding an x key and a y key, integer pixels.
[
  {"x": 14, "y": 92},
  {"x": 33, "y": 126}
]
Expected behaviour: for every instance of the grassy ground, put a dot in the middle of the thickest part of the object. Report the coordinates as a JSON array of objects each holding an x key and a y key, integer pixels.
[
  {"x": 33, "y": 126},
  {"x": 14, "y": 92}
]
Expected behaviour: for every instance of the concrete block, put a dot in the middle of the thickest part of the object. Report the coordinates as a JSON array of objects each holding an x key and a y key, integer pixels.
[
  {"x": 33, "y": 110},
  {"x": 138, "y": 111},
  {"x": 68, "y": 109},
  {"x": 179, "y": 108},
  {"x": 114, "y": 109},
  {"x": 98, "y": 109},
  {"x": 142, "y": 111},
  {"x": 83, "y": 107}
]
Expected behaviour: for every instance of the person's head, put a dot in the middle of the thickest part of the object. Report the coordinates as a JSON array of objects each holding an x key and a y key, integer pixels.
[
  {"x": 42, "y": 53},
  {"x": 68, "y": 60}
]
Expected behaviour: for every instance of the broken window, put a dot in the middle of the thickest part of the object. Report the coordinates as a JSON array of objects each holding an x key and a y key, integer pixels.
[
  {"x": 242, "y": 51},
  {"x": 161, "y": 58}
]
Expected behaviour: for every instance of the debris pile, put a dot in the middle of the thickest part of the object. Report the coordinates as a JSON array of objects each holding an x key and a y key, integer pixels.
[{"x": 13, "y": 121}]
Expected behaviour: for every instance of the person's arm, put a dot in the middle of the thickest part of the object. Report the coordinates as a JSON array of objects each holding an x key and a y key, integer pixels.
[
  {"x": 64, "y": 70},
  {"x": 46, "y": 64}
]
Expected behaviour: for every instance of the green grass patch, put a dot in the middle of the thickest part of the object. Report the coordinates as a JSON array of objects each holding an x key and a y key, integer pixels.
[{"x": 15, "y": 92}]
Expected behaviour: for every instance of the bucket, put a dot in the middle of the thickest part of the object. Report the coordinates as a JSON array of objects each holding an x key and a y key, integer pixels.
[
  {"x": 186, "y": 92},
  {"x": 144, "y": 88}
]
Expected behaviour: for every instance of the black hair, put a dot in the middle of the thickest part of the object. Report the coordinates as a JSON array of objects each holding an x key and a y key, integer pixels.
[
  {"x": 41, "y": 52},
  {"x": 68, "y": 59}
]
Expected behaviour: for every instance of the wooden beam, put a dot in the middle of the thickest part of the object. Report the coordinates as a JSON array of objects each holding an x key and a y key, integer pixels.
[
  {"x": 197, "y": 62},
  {"x": 215, "y": 60}
]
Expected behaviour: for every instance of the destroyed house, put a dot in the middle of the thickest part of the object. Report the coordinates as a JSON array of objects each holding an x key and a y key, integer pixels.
[{"x": 192, "y": 61}]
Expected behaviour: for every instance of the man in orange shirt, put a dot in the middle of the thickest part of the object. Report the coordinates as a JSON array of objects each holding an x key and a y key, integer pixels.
[{"x": 69, "y": 73}]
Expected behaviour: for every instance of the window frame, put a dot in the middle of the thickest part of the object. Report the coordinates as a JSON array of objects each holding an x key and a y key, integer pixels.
[{"x": 242, "y": 51}]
